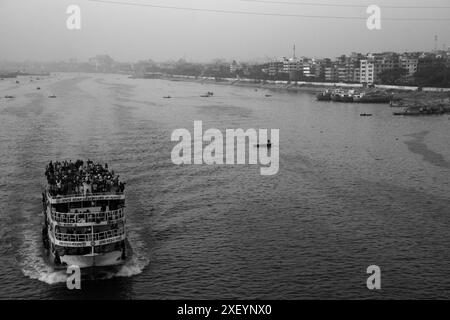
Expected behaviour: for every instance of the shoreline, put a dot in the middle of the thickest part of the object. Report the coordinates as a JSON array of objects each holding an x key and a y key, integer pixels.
[
  {"x": 407, "y": 96},
  {"x": 274, "y": 85},
  {"x": 299, "y": 85}
]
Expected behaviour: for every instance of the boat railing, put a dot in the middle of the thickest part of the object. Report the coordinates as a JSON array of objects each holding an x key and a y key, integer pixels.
[
  {"x": 88, "y": 217},
  {"x": 90, "y": 236},
  {"x": 85, "y": 197}
]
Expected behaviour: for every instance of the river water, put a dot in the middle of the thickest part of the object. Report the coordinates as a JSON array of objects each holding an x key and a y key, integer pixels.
[{"x": 351, "y": 192}]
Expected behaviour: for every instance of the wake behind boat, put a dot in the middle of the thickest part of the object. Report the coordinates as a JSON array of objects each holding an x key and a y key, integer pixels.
[{"x": 84, "y": 211}]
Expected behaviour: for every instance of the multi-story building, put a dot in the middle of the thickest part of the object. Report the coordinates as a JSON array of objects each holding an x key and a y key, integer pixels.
[
  {"x": 346, "y": 67},
  {"x": 275, "y": 67},
  {"x": 356, "y": 68},
  {"x": 234, "y": 67},
  {"x": 384, "y": 61},
  {"x": 319, "y": 68},
  {"x": 367, "y": 71},
  {"x": 331, "y": 73},
  {"x": 102, "y": 63},
  {"x": 356, "y": 75},
  {"x": 292, "y": 65},
  {"x": 342, "y": 75},
  {"x": 409, "y": 63},
  {"x": 309, "y": 68}
]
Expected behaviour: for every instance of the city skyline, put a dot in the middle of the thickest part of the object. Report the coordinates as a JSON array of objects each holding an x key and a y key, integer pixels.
[{"x": 212, "y": 60}]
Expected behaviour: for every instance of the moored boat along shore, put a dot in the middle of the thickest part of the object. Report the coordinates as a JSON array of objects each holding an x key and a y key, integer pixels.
[
  {"x": 413, "y": 103},
  {"x": 422, "y": 103}
]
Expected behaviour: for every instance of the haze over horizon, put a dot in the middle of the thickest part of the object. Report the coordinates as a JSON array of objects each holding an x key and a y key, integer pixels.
[{"x": 37, "y": 30}]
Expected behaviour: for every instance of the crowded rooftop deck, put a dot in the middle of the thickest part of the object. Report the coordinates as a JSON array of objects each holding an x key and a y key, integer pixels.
[{"x": 81, "y": 178}]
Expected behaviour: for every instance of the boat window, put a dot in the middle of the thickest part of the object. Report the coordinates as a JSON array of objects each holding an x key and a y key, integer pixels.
[
  {"x": 108, "y": 248},
  {"x": 73, "y": 251}
]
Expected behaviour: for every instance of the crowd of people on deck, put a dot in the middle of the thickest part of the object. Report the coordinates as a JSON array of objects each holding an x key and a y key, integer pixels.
[{"x": 81, "y": 178}]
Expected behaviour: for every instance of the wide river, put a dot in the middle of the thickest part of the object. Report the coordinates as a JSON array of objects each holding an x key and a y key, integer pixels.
[{"x": 351, "y": 192}]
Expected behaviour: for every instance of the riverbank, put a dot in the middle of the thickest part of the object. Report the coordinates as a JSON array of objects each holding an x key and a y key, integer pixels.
[
  {"x": 403, "y": 96},
  {"x": 302, "y": 85},
  {"x": 313, "y": 87},
  {"x": 436, "y": 100}
]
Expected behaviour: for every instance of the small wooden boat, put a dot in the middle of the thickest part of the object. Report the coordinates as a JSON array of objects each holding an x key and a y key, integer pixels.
[{"x": 207, "y": 95}]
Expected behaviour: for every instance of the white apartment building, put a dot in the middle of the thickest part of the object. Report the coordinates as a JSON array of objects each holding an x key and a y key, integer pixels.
[
  {"x": 366, "y": 71},
  {"x": 292, "y": 64}
]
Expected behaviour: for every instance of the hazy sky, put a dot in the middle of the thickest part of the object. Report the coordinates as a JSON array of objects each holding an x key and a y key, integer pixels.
[{"x": 36, "y": 30}]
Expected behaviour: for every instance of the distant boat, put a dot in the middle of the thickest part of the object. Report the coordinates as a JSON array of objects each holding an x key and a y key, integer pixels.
[
  {"x": 167, "y": 97},
  {"x": 153, "y": 75},
  {"x": 341, "y": 96},
  {"x": 207, "y": 95},
  {"x": 9, "y": 97},
  {"x": 324, "y": 96},
  {"x": 38, "y": 88},
  {"x": 372, "y": 98},
  {"x": 268, "y": 95},
  {"x": 52, "y": 96},
  {"x": 365, "y": 114},
  {"x": 421, "y": 111}
]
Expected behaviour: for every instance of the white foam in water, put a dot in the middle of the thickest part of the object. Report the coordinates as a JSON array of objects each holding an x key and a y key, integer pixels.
[
  {"x": 33, "y": 264},
  {"x": 132, "y": 267},
  {"x": 48, "y": 276},
  {"x": 138, "y": 261},
  {"x": 35, "y": 267}
]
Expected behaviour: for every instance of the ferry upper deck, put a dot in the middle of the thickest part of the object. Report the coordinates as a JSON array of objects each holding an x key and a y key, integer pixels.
[{"x": 81, "y": 181}]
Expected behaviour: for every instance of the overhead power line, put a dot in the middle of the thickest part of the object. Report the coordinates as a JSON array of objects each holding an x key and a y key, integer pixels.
[
  {"x": 316, "y": 4},
  {"x": 237, "y": 12}
]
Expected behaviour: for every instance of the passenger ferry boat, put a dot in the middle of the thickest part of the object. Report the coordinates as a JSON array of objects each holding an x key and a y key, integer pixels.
[{"x": 84, "y": 216}]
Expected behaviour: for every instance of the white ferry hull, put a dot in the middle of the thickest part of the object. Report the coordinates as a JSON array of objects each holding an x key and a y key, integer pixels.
[{"x": 109, "y": 259}]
